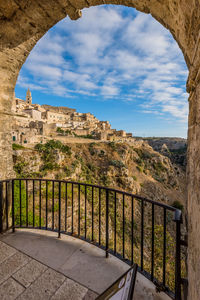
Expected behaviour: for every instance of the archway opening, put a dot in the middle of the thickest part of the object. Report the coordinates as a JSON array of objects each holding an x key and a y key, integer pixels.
[
  {"x": 20, "y": 31},
  {"x": 80, "y": 67}
]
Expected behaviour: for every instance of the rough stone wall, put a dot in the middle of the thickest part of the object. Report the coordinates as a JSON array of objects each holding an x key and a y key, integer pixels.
[
  {"x": 193, "y": 206},
  {"x": 23, "y": 22}
]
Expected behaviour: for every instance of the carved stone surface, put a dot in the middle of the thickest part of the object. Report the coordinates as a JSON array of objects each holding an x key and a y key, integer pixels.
[{"x": 23, "y": 23}]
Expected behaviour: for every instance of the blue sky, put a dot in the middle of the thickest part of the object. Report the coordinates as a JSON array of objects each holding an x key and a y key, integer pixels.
[{"x": 117, "y": 63}]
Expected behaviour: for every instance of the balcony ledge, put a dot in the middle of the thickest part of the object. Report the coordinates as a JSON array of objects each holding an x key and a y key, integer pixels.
[{"x": 35, "y": 264}]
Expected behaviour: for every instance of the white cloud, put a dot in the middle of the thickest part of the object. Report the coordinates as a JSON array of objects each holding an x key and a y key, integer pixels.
[
  {"x": 44, "y": 71},
  {"x": 109, "y": 54},
  {"x": 44, "y": 58},
  {"x": 109, "y": 91},
  {"x": 80, "y": 80}
]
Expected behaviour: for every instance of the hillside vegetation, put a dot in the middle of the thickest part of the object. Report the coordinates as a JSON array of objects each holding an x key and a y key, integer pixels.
[{"x": 134, "y": 167}]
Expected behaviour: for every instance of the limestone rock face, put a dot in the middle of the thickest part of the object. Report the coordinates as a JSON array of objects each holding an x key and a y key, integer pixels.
[{"x": 23, "y": 23}]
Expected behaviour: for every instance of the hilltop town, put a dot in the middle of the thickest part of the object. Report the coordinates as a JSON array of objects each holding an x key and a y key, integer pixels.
[
  {"x": 60, "y": 143},
  {"x": 34, "y": 123}
]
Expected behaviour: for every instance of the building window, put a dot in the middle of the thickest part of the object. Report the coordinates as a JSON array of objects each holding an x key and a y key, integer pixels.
[{"x": 14, "y": 138}]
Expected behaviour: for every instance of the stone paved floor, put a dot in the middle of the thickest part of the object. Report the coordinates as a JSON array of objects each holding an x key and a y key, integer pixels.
[
  {"x": 36, "y": 265},
  {"x": 24, "y": 278}
]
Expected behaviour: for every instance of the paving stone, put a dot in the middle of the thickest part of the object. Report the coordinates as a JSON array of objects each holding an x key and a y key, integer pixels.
[
  {"x": 44, "y": 246},
  {"x": 12, "y": 264},
  {"x": 90, "y": 295},
  {"x": 29, "y": 273},
  {"x": 5, "y": 251},
  {"x": 44, "y": 287},
  {"x": 89, "y": 267},
  {"x": 10, "y": 289},
  {"x": 70, "y": 290}
]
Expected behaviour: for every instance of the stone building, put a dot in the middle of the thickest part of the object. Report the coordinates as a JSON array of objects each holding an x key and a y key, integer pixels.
[
  {"x": 54, "y": 117},
  {"x": 19, "y": 104},
  {"x": 25, "y": 135},
  {"x": 48, "y": 129},
  {"x": 33, "y": 113},
  {"x": 44, "y": 120},
  {"x": 28, "y": 97},
  {"x": 104, "y": 125}
]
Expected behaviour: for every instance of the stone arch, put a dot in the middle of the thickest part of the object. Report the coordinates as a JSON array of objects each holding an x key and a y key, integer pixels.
[{"x": 24, "y": 22}]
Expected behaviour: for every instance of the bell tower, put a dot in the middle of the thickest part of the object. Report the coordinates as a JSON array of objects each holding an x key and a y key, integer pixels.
[{"x": 28, "y": 97}]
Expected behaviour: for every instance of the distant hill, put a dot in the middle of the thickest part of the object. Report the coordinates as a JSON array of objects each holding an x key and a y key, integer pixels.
[{"x": 174, "y": 148}]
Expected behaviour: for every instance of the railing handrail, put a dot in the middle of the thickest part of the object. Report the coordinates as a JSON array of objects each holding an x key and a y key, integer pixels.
[
  {"x": 127, "y": 237},
  {"x": 178, "y": 213}
]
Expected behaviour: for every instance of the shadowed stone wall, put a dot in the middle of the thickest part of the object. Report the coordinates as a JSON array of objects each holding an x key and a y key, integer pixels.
[{"x": 24, "y": 22}]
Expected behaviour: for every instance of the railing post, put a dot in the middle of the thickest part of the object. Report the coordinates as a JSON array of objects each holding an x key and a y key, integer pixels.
[
  {"x": 107, "y": 223},
  {"x": 178, "y": 221},
  {"x": 9, "y": 204},
  {"x": 1, "y": 207},
  {"x": 99, "y": 216},
  {"x": 13, "y": 207},
  {"x": 59, "y": 216}
]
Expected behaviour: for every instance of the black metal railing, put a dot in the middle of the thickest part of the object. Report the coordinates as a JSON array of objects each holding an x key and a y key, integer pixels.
[{"x": 134, "y": 229}]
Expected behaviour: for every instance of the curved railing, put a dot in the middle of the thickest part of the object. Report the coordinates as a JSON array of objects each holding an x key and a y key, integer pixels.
[{"x": 134, "y": 229}]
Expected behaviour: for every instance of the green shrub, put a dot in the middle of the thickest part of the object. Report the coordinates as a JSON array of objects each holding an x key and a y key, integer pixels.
[
  {"x": 105, "y": 180},
  {"x": 48, "y": 153},
  {"x": 139, "y": 161},
  {"x": 49, "y": 166},
  {"x": 91, "y": 167},
  {"x": 40, "y": 174},
  {"x": 159, "y": 167},
  {"x": 139, "y": 168},
  {"x": 158, "y": 178},
  {"x": 86, "y": 136},
  {"x": 74, "y": 164},
  {"x": 59, "y": 176},
  {"x": 19, "y": 167},
  {"x": 143, "y": 154},
  {"x": 56, "y": 207},
  {"x": 66, "y": 149},
  {"x": 59, "y": 130},
  {"x": 17, "y": 147},
  {"x": 116, "y": 163},
  {"x": 53, "y": 145},
  {"x": 112, "y": 145},
  {"x": 67, "y": 171},
  {"x": 68, "y": 132},
  {"x": 40, "y": 147},
  {"x": 91, "y": 149},
  {"x": 102, "y": 153}
]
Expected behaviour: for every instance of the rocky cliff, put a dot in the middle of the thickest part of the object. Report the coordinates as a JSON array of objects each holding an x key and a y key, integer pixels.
[
  {"x": 174, "y": 148},
  {"x": 134, "y": 167}
]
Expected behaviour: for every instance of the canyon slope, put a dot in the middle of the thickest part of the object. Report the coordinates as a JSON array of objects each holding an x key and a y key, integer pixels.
[{"x": 153, "y": 168}]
